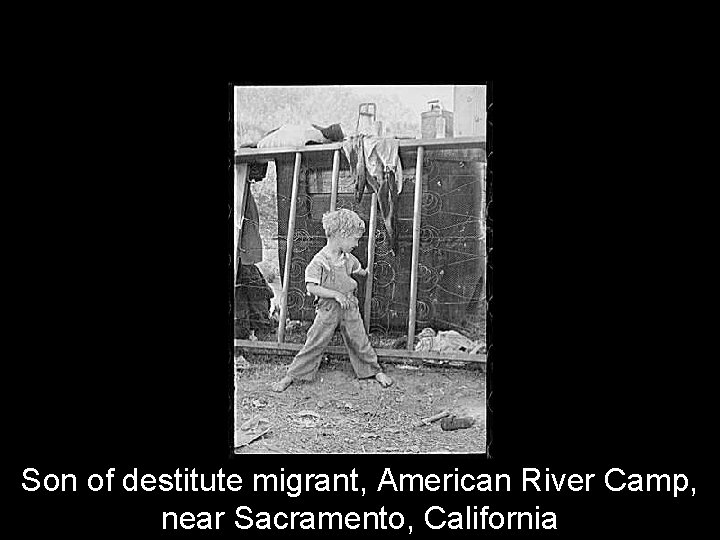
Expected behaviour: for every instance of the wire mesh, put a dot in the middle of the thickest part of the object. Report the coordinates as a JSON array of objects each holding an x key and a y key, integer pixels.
[{"x": 452, "y": 241}]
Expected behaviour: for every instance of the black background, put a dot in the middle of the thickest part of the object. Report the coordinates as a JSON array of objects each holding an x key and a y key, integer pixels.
[{"x": 120, "y": 298}]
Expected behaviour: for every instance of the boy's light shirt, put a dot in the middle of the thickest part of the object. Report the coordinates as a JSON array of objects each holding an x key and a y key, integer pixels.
[{"x": 325, "y": 263}]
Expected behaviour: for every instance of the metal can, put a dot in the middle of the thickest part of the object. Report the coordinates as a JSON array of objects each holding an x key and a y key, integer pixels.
[{"x": 436, "y": 122}]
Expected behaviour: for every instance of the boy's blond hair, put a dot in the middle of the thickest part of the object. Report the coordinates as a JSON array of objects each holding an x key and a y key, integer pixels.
[{"x": 342, "y": 222}]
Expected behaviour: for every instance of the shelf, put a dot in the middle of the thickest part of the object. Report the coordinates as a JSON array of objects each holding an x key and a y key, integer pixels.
[{"x": 244, "y": 155}]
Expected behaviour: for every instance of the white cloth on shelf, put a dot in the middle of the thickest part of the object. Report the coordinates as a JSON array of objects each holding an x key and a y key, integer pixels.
[{"x": 292, "y": 135}]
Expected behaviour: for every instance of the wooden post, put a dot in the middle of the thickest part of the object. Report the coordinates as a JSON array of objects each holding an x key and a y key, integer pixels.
[
  {"x": 417, "y": 206},
  {"x": 335, "y": 175},
  {"x": 370, "y": 261},
  {"x": 288, "y": 251},
  {"x": 241, "y": 187}
]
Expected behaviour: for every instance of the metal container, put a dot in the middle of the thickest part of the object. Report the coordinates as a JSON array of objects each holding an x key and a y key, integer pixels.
[
  {"x": 366, "y": 122},
  {"x": 437, "y": 122}
]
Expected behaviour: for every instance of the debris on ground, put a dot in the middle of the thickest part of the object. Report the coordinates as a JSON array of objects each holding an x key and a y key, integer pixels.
[
  {"x": 377, "y": 420},
  {"x": 307, "y": 419},
  {"x": 308, "y": 413},
  {"x": 258, "y": 403},
  {"x": 427, "y": 421},
  {"x": 451, "y": 423},
  {"x": 253, "y": 423},
  {"x": 400, "y": 343},
  {"x": 448, "y": 341},
  {"x": 246, "y": 438},
  {"x": 241, "y": 363},
  {"x": 292, "y": 325}
]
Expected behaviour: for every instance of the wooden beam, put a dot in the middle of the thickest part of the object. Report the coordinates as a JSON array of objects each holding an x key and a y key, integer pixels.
[
  {"x": 449, "y": 143},
  {"x": 241, "y": 187},
  {"x": 264, "y": 154},
  {"x": 288, "y": 251},
  {"x": 388, "y": 355},
  {"x": 417, "y": 207},
  {"x": 335, "y": 175},
  {"x": 370, "y": 261}
]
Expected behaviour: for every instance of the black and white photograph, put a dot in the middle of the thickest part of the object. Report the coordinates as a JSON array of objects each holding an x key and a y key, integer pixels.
[{"x": 360, "y": 298}]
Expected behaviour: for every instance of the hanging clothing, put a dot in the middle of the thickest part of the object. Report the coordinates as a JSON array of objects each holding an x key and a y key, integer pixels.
[
  {"x": 250, "y": 245},
  {"x": 252, "y": 302},
  {"x": 383, "y": 163},
  {"x": 375, "y": 162},
  {"x": 388, "y": 203},
  {"x": 252, "y": 293},
  {"x": 257, "y": 171},
  {"x": 354, "y": 150},
  {"x": 381, "y": 156}
]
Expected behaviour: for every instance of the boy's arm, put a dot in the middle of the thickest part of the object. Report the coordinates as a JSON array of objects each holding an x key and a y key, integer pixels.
[{"x": 357, "y": 269}]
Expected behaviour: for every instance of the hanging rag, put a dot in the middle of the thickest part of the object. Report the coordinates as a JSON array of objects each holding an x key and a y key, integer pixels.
[
  {"x": 252, "y": 293},
  {"x": 375, "y": 162},
  {"x": 252, "y": 302},
  {"x": 250, "y": 249},
  {"x": 383, "y": 164},
  {"x": 354, "y": 150},
  {"x": 387, "y": 197},
  {"x": 381, "y": 155}
]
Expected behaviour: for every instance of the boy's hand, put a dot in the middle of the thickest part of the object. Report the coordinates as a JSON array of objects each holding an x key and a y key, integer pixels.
[
  {"x": 343, "y": 300},
  {"x": 361, "y": 272}
]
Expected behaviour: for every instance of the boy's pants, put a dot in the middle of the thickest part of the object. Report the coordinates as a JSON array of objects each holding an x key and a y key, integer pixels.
[{"x": 329, "y": 314}]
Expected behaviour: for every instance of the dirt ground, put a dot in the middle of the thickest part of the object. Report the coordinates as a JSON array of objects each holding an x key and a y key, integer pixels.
[{"x": 337, "y": 413}]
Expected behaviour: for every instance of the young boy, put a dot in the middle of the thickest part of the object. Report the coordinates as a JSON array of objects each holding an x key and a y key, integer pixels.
[{"x": 328, "y": 278}]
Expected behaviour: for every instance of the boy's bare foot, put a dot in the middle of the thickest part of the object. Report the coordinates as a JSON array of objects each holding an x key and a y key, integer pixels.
[
  {"x": 383, "y": 379},
  {"x": 281, "y": 385}
]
